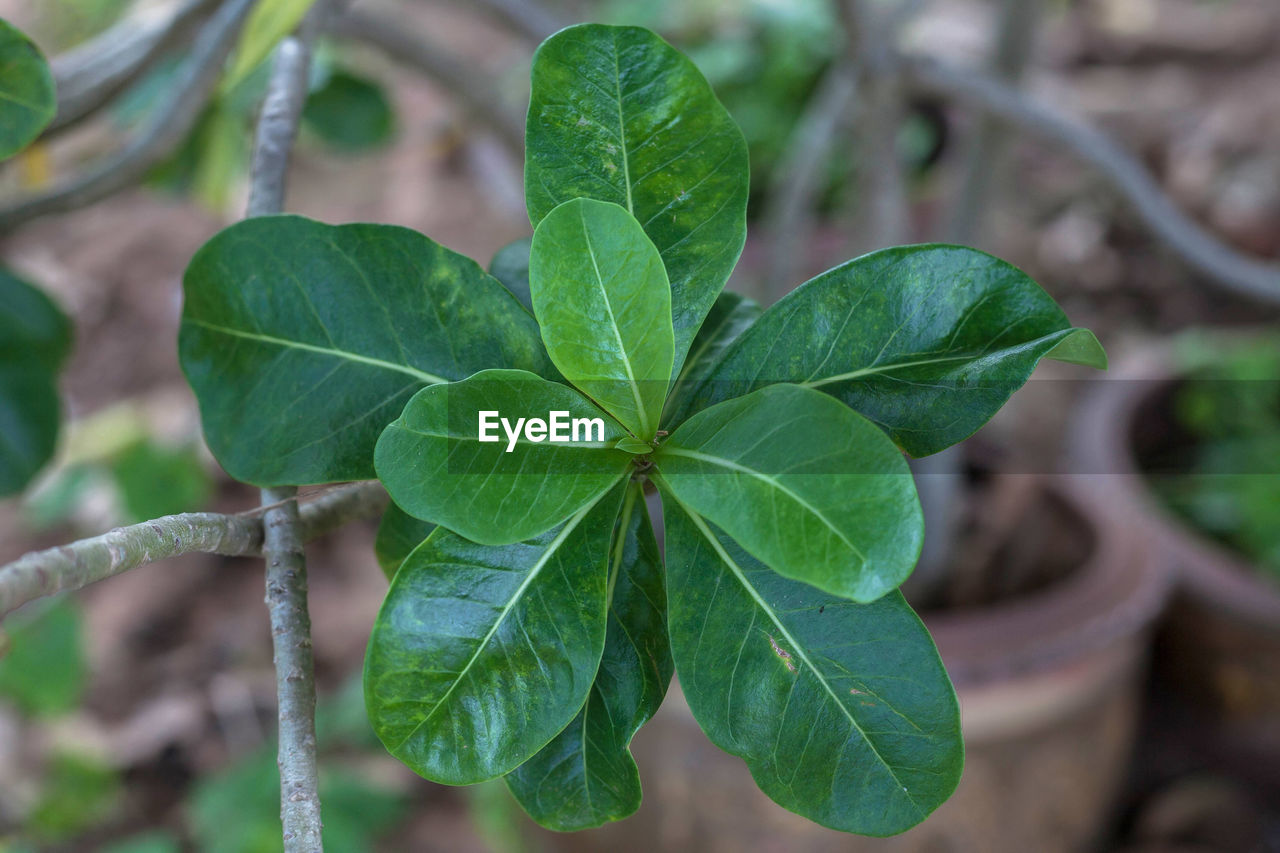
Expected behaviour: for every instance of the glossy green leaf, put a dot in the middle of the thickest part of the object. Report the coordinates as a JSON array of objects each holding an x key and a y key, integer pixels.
[
  {"x": 730, "y": 316},
  {"x": 27, "y": 98},
  {"x": 842, "y": 711},
  {"x": 350, "y": 113},
  {"x": 617, "y": 114},
  {"x": 927, "y": 341},
  {"x": 807, "y": 486},
  {"x": 509, "y": 488},
  {"x": 481, "y": 655},
  {"x": 303, "y": 340},
  {"x": 510, "y": 265},
  {"x": 631, "y": 444},
  {"x": 398, "y": 534},
  {"x": 35, "y": 338},
  {"x": 603, "y": 303},
  {"x": 586, "y": 777}
]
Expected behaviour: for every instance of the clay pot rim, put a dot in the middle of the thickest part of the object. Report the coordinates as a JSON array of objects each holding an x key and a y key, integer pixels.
[
  {"x": 1115, "y": 595},
  {"x": 1101, "y": 443}
]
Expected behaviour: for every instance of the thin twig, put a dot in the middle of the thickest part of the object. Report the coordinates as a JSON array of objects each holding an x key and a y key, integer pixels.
[
  {"x": 286, "y": 574},
  {"x": 988, "y": 145},
  {"x": 477, "y": 94},
  {"x": 73, "y": 566},
  {"x": 163, "y": 132},
  {"x": 1202, "y": 251},
  {"x": 792, "y": 192},
  {"x": 90, "y": 75}
]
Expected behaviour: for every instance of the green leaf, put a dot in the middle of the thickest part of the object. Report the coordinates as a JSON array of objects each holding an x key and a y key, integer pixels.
[
  {"x": 35, "y": 338},
  {"x": 155, "y": 480},
  {"x": 510, "y": 265},
  {"x": 302, "y": 340},
  {"x": 269, "y": 22},
  {"x": 926, "y": 341},
  {"x": 398, "y": 534},
  {"x": 350, "y": 113},
  {"x": 617, "y": 114},
  {"x": 222, "y": 155},
  {"x": 631, "y": 444},
  {"x": 842, "y": 711},
  {"x": 27, "y": 98},
  {"x": 730, "y": 316},
  {"x": 603, "y": 303},
  {"x": 43, "y": 671},
  {"x": 586, "y": 777},
  {"x": 506, "y": 489},
  {"x": 807, "y": 486},
  {"x": 481, "y": 655}
]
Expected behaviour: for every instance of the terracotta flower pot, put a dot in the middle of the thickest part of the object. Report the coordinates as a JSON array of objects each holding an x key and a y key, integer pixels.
[
  {"x": 1220, "y": 640},
  {"x": 1049, "y": 691}
]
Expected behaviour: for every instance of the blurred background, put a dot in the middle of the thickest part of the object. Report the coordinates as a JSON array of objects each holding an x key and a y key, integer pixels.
[{"x": 1102, "y": 572}]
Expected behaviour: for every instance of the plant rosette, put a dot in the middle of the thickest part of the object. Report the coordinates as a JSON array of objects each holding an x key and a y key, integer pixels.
[{"x": 532, "y": 626}]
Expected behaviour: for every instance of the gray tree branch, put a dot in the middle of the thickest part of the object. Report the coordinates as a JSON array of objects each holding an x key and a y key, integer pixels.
[
  {"x": 73, "y": 566},
  {"x": 1220, "y": 263},
  {"x": 163, "y": 132},
  {"x": 90, "y": 75},
  {"x": 475, "y": 92},
  {"x": 286, "y": 571}
]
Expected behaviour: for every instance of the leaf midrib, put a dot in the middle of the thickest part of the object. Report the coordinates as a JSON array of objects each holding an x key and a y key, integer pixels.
[
  {"x": 534, "y": 572},
  {"x": 772, "y": 481},
  {"x": 786, "y": 635},
  {"x": 429, "y": 378},
  {"x": 921, "y": 362},
  {"x": 613, "y": 326}
]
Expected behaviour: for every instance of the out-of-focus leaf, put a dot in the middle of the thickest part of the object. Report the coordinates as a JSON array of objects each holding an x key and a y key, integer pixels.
[
  {"x": 44, "y": 671},
  {"x": 238, "y": 809},
  {"x": 27, "y": 98},
  {"x": 147, "y": 842},
  {"x": 510, "y": 265},
  {"x": 269, "y": 22},
  {"x": 350, "y": 113},
  {"x": 76, "y": 792},
  {"x": 156, "y": 480},
  {"x": 34, "y": 340}
]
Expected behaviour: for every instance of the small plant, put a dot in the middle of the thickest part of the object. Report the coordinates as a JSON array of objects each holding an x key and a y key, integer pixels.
[
  {"x": 1229, "y": 403},
  {"x": 534, "y": 631}
]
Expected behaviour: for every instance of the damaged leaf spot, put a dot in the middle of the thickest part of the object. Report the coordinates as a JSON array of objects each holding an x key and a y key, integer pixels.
[{"x": 783, "y": 654}]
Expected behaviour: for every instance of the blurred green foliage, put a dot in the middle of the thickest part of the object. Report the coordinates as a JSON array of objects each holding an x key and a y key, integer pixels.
[
  {"x": 350, "y": 113},
  {"x": 1230, "y": 406},
  {"x": 147, "y": 842},
  {"x": 156, "y": 480},
  {"x": 238, "y": 810},
  {"x": 77, "y": 792},
  {"x": 43, "y": 671},
  {"x": 35, "y": 340}
]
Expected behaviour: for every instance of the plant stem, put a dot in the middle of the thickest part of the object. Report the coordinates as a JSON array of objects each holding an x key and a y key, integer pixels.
[
  {"x": 286, "y": 570},
  {"x": 1015, "y": 41},
  {"x": 295, "y": 672},
  {"x": 81, "y": 563}
]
